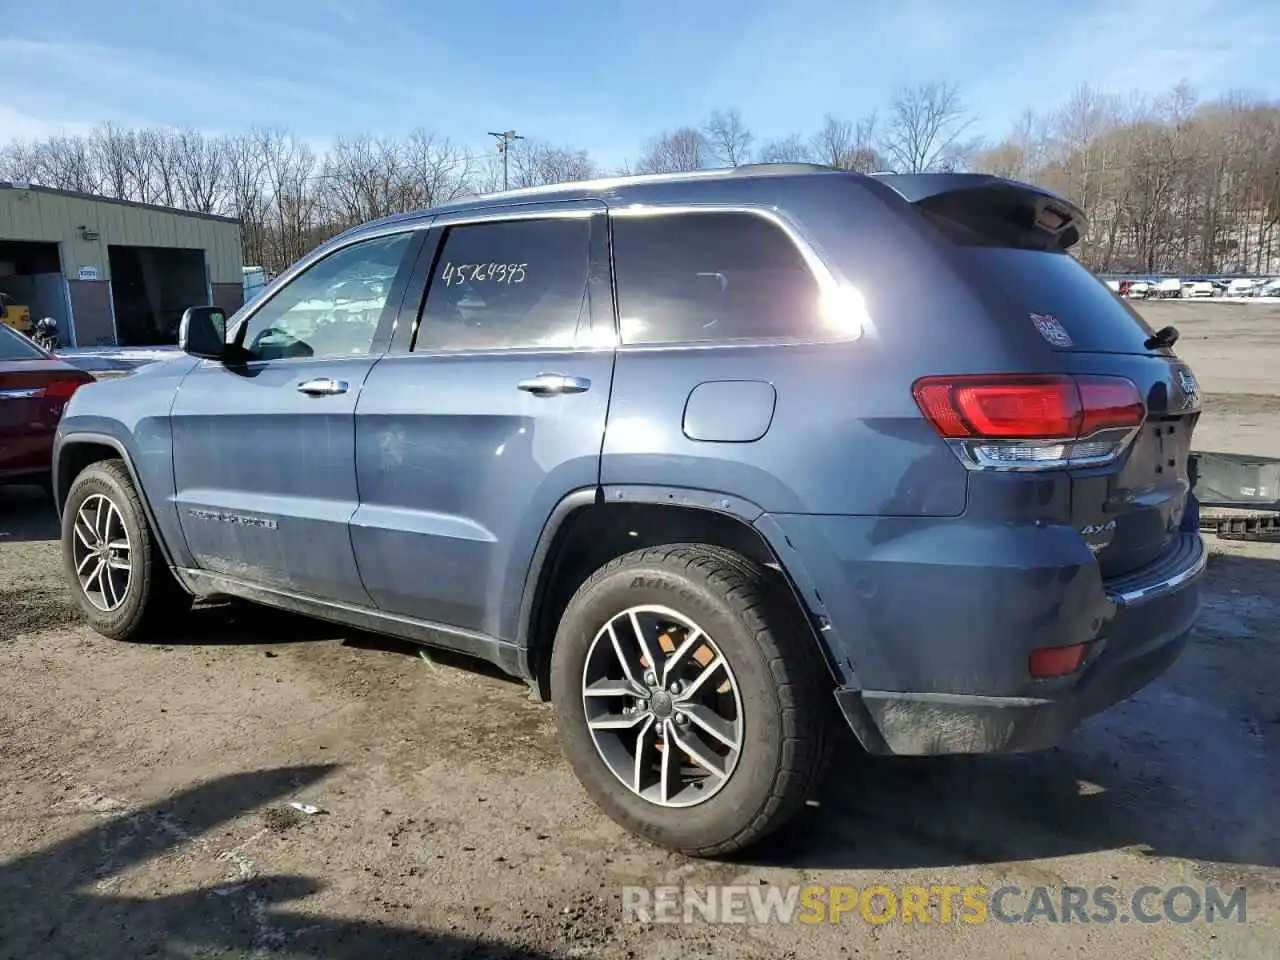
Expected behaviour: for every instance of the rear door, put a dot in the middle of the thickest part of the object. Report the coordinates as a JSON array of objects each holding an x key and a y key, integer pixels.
[
  {"x": 487, "y": 411},
  {"x": 1128, "y": 512},
  {"x": 264, "y": 450}
]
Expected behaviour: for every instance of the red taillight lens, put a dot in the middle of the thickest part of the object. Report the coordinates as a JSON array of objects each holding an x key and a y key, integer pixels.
[
  {"x": 1047, "y": 409},
  {"x": 1027, "y": 407},
  {"x": 1109, "y": 402},
  {"x": 1056, "y": 661},
  {"x": 62, "y": 389}
]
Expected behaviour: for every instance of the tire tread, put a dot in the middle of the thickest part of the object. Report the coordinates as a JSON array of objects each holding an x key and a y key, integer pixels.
[
  {"x": 764, "y": 604},
  {"x": 163, "y": 597}
]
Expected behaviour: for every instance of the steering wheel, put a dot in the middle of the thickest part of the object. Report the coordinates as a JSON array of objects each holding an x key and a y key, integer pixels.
[{"x": 289, "y": 345}]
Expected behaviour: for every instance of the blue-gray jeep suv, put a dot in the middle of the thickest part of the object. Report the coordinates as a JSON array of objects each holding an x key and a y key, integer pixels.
[{"x": 706, "y": 459}]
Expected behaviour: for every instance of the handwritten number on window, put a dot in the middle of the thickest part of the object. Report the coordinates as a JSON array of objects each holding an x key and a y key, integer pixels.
[{"x": 507, "y": 273}]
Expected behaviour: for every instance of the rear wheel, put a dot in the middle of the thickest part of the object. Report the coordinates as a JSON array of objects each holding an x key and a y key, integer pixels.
[
  {"x": 112, "y": 562},
  {"x": 690, "y": 697}
]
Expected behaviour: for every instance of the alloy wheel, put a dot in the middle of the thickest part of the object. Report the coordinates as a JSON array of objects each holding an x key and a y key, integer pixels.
[
  {"x": 663, "y": 707},
  {"x": 102, "y": 553}
]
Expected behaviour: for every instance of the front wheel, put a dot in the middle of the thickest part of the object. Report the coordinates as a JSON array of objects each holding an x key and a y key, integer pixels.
[
  {"x": 112, "y": 562},
  {"x": 690, "y": 697}
]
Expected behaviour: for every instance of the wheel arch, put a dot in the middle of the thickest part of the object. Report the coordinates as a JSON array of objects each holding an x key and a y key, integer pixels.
[
  {"x": 78, "y": 451},
  {"x": 589, "y": 528}
]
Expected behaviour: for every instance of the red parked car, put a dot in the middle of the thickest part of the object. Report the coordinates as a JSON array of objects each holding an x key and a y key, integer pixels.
[{"x": 34, "y": 387}]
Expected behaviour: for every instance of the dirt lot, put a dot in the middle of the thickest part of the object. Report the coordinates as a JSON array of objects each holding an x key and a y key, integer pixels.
[{"x": 145, "y": 789}]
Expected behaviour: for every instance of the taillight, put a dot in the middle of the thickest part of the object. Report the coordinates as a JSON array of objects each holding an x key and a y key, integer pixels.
[
  {"x": 61, "y": 389},
  {"x": 1109, "y": 402},
  {"x": 1032, "y": 422}
]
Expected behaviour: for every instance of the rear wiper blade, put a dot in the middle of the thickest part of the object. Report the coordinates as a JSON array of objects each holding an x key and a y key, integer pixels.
[{"x": 1164, "y": 337}]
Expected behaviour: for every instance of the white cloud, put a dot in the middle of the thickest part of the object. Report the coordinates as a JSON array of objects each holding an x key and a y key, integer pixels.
[{"x": 16, "y": 125}]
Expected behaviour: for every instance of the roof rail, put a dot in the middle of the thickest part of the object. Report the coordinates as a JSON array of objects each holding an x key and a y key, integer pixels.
[{"x": 787, "y": 167}]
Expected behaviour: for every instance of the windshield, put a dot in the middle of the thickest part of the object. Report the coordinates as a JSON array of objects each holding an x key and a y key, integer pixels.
[{"x": 14, "y": 346}]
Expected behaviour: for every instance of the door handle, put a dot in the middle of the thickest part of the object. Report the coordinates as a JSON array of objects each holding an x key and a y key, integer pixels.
[
  {"x": 554, "y": 384},
  {"x": 322, "y": 387}
]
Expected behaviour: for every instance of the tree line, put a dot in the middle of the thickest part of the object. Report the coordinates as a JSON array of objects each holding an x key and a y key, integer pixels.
[{"x": 1168, "y": 183}]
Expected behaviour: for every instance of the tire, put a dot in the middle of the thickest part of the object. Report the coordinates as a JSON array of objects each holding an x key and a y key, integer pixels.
[
  {"x": 782, "y": 700},
  {"x": 151, "y": 599}
]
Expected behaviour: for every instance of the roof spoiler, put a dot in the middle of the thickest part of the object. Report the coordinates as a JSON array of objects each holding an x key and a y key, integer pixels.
[{"x": 995, "y": 211}]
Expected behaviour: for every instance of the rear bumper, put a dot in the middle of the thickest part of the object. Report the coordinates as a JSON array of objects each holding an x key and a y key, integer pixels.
[{"x": 1155, "y": 610}]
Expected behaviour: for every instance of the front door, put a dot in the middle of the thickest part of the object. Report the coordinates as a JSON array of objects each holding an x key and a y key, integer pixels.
[
  {"x": 467, "y": 436},
  {"x": 264, "y": 450}
]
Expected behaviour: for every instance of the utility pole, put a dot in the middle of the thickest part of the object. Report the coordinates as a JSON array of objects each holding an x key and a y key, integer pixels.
[{"x": 504, "y": 147}]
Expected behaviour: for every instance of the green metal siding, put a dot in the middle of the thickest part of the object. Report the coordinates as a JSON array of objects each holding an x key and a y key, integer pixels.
[{"x": 51, "y": 216}]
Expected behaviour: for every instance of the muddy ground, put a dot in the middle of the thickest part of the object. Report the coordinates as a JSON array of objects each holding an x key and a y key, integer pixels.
[{"x": 144, "y": 790}]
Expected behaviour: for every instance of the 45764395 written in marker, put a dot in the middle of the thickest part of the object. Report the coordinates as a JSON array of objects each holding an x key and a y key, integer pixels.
[{"x": 483, "y": 273}]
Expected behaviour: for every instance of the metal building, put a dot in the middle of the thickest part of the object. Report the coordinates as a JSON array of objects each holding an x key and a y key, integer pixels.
[{"x": 113, "y": 271}]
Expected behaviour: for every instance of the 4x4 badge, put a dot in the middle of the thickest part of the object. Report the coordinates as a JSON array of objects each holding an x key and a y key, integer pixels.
[
  {"x": 1190, "y": 389},
  {"x": 1052, "y": 330}
]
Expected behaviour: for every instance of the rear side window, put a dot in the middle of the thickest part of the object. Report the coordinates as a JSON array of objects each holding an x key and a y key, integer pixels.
[
  {"x": 711, "y": 276},
  {"x": 13, "y": 346},
  {"x": 519, "y": 283}
]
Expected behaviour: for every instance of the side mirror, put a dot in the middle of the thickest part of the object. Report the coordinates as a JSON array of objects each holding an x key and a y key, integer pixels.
[{"x": 203, "y": 333}]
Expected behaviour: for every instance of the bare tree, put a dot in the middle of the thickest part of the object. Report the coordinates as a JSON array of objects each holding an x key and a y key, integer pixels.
[
  {"x": 536, "y": 164},
  {"x": 247, "y": 185},
  {"x": 110, "y": 150},
  {"x": 200, "y": 170},
  {"x": 792, "y": 148},
  {"x": 729, "y": 137},
  {"x": 1021, "y": 155},
  {"x": 833, "y": 143},
  {"x": 848, "y": 145},
  {"x": 162, "y": 144},
  {"x": 290, "y": 169},
  {"x": 925, "y": 128},
  {"x": 66, "y": 163},
  {"x": 1166, "y": 183},
  {"x": 676, "y": 151},
  {"x": 19, "y": 161},
  {"x": 435, "y": 170},
  {"x": 362, "y": 180}
]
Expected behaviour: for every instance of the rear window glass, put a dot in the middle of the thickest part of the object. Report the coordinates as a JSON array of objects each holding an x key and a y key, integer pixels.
[
  {"x": 1039, "y": 282},
  {"x": 13, "y": 346}
]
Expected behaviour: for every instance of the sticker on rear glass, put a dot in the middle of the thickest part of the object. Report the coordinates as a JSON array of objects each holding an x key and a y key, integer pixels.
[{"x": 1052, "y": 330}]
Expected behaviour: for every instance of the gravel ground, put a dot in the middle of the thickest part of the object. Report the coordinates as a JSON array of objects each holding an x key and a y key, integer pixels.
[{"x": 145, "y": 789}]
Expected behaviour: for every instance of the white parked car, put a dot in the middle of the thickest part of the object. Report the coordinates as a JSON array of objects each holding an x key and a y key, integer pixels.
[
  {"x": 1197, "y": 288},
  {"x": 1240, "y": 287},
  {"x": 1169, "y": 287}
]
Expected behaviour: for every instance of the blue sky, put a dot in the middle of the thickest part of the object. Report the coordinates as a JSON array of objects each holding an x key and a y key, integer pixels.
[{"x": 602, "y": 76}]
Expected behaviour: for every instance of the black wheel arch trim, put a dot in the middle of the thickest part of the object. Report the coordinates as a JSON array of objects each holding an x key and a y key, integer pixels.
[
  {"x": 750, "y": 514},
  {"x": 66, "y": 441}
]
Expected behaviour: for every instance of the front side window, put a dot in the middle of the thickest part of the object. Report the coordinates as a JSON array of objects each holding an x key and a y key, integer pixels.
[
  {"x": 333, "y": 308},
  {"x": 517, "y": 283},
  {"x": 711, "y": 276}
]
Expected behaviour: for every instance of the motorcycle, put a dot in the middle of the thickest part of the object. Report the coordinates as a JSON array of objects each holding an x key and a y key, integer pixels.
[{"x": 45, "y": 334}]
